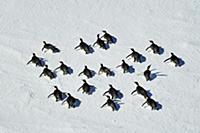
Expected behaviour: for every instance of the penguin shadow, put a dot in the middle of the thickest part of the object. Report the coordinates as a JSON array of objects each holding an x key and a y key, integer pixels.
[
  {"x": 51, "y": 77},
  {"x": 70, "y": 71},
  {"x": 93, "y": 73},
  {"x": 77, "y": 103},
  {"x": 119, "y": 95},
  {"x": 56, "y": 50},
  {"x": 142, "y": 59},
  {"x": 149, "y": 94},
  {"x": 131, "y": 69},
  {"x": 42, "y": 62},
  {"x": 92, "y": 90},
  {"x": 156, "y": 74},
  {"x": 112, "y": 73},
  {"x": 181, "y": 62},
  {"x": 118, "y": 105},
  {"x": 161, "y": 50},
  {"x": 107, "y": 46},
  {"x": 158, "y": 106},
  {"x": 64, "y": 96},
  {"x": 91, "y": 50},
  {"x": 54, "y": 75},
  {"x": 114, "y": 39}
]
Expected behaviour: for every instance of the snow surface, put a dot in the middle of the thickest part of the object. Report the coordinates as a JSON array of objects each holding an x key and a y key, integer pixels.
[{"x": 174, "y": 25}]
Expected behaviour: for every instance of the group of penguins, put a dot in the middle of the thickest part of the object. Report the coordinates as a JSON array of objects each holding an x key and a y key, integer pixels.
[{"x": 114, "y": 94}]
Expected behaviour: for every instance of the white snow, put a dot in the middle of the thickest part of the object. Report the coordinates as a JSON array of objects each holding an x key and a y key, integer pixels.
[{"x": 24, "y": 24}]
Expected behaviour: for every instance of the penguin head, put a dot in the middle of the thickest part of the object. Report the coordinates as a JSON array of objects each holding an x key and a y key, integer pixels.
[
  {"x": 101, "y": 65},
  {"x": 151, "y": 41},
  {"x": 84, "y": 80},
  {"x": 46, "y": 66},
  {"x": 172, "y": 53},
  {"x": 123, "y": 61},
  {"x": 61, "y": 62},
  {"x": 34, "y": 54},
  {"x": 110, "y": 85},
  {"x": 97, "y": 35},
  {"x": 132, "y": 49},
  {"x": 56, "y": 87},
  {"x": 44, "y": 42},
  {"x": 86, "y": 67},
  {"x": 104, "y": 31},
  {"x": 136, "y": 83},
  {"x": 68, "y": 94},
  {"x": 81, "y": 39},
  {"x": 148, "y": 67}
]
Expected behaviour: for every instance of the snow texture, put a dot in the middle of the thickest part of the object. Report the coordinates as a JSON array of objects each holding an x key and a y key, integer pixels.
[{"x": 173, "y": 25}]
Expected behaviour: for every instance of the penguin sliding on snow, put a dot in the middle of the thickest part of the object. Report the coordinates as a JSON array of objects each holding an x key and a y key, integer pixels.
[
  {"x": 57, "y": 94},
  {"x": 108, "y": 37},
  {"x": 176, "y": 60},
  {"x": 51, "y": 47},
  {"x": 48, "y": 72},
  {"x": 87, "y": 72},
  {"x": 124, "y": 66},
  {"x": 147, "y": 73},
  {"x": 140, "y": 90},
  {"x": 71, "y": 101},
  {"x": 105, "y": 70},
  {"x": 64, "y": 68},
  {"x": 110, "y": 103},
  {"x": 83, "y": 46},
  {"x": 152, "y": 103},
  {"x": 113, "y": 92},
  {"x": 101, "y": 43},
  {"x": 85, "y": 87},
  {"x": 135, "y": 55},
  {"x": 36, "y": 60},
  {"x": 154, "y": 47}
]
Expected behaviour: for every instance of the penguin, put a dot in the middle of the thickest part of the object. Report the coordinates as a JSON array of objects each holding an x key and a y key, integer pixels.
[
  {"x": 83, "y": 46},
  {"x": 85, "y": 87},
  {"x": 100, "y": 42},
  {"x": 71, "y": 101},
  {"x": 36, "y": 60},
  {"x": 105, "y": 70},
  {"x": 135, "y": 55},
  {"x": 64, "y": 68},
  {"x": 108, "y": 37},
  {"x": 154, "y": 47},
  {"x": 176, "y": 60},
  {"x": 87, "y": 72},
  {"x": 57, "y": 94},
  {"x": 147, "y": 73},
  {"x": 110, "y": 103},
  {"x": 140, "y": 90},
  {"x": 48, "y": 72},
  {"x": 49, "y": 46},
  {"x": 124, "y": 66},
  {"x": 152, "y": 103},
  {"x": 113, "y": 92}
]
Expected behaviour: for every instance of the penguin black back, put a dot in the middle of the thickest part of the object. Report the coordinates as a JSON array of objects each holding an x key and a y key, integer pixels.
[
  {"x": 140, "y": 90},
  {"x": 147, "y": 73}
]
